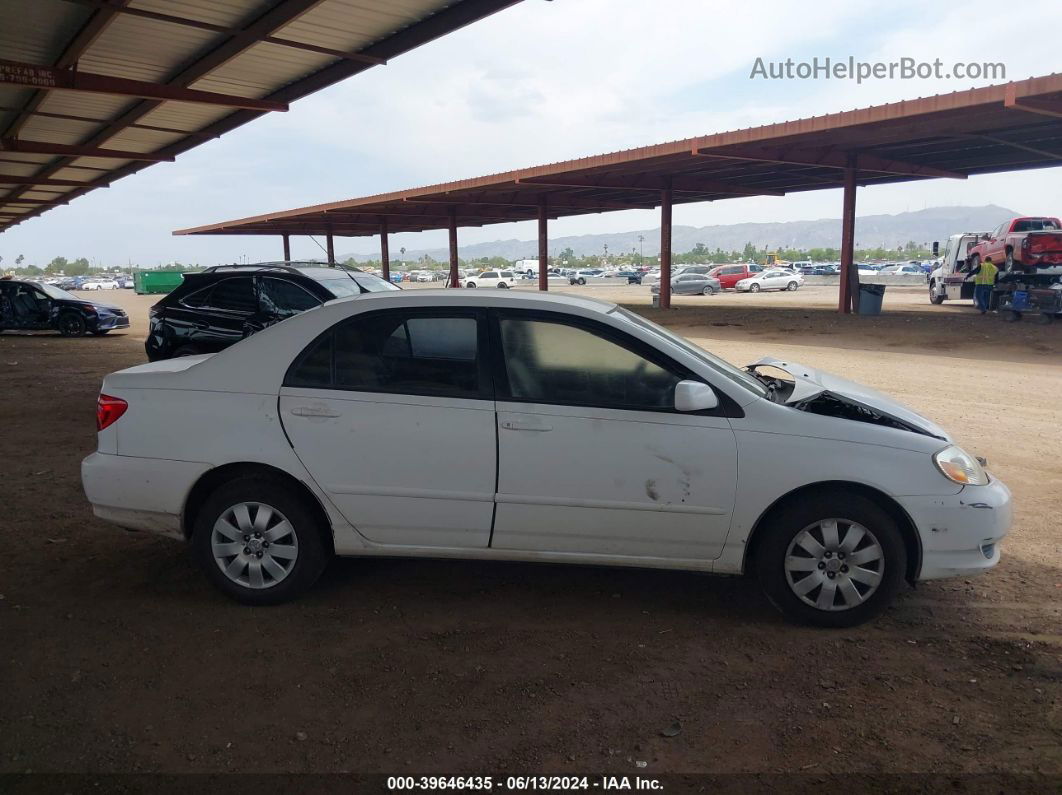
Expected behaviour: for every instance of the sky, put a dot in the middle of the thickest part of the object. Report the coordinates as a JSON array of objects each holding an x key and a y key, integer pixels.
[{"x": 546, "y": 81}]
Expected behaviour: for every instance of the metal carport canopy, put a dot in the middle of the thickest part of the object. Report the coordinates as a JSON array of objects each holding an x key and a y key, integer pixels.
[
  {"x": 1009, "y": 127},
  {"x": 95, "y": 90}
]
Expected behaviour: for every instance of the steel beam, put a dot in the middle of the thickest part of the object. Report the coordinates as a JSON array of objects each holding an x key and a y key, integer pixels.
[
  {"x": 385, "y": 253},
  {"x": 665, "y": 245},
  {"x": 543, "y": 246},
  {"x": 36, "y": 202},
  {"x": 287, "y": 248},
  {"x": 828, "y": 158},
  {"x": 93, "y": 120},
  {"x": 331, "y": 248},
  {"x": 1040, "y": 105},
  {"x": 6, "y": 179},
  {"x": 43, "y": 148},
  {"x": 454, "y": 278},
  {"x": 46, "y": 78},
  {"x": 679, "y": 184},
  {"x": 198, "y": 24},
  {"x": 849, "y": 287}
]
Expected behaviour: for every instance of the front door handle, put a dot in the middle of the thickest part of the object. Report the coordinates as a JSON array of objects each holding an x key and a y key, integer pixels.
[
  {"x": 515, "y": 425},
  {"x": 311, "y": 411}
]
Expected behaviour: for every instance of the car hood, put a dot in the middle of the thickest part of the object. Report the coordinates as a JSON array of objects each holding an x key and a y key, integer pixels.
[{"x": 810, "y": 383}]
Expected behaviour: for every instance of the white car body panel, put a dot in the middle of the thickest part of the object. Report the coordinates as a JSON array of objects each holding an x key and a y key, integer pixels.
[{"x": 594, "y": 472}]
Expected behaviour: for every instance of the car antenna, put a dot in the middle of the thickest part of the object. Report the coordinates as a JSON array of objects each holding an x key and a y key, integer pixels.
[{"x": 334, "y": 264}]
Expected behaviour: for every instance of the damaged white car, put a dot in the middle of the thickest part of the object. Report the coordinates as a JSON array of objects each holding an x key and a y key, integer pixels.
[{"x": 510, "y": 426}]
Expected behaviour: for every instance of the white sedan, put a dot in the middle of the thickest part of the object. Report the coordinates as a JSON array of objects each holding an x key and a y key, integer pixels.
[
  {"x": 779, "y": 279},
  {"x": 506, "y": 426},
  {"x": 504, "y": 279}
]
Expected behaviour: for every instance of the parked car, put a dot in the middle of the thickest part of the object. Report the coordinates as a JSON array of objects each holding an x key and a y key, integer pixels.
[
  {"x": 632, "y": 277},
  {"x": 902, "y": 270},
  {"x": 730, "y": 275},
  {"x": 692, "y": 284},
  {"x": 503, "y": 279},
  {"x": 31, "y": 305},
  {"x": 211, "y": 310},
  {"x": 1021, "y": 243},
  {"x": 584, "y": 276},
  {"x": 775, "y": 279},
  {"x": 585, "y": 434},
  {"x": 99, "y": 284}
]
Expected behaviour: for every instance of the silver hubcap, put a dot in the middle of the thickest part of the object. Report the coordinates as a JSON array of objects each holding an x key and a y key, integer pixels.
[
  {"x": 254, "y": 544},
  {"x": 834, "y": 564}
]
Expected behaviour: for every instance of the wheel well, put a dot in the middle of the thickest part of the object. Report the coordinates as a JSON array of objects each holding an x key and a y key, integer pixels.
[
  {"x": 884, "y": 501},
  {"x": 213, "y": 479}
]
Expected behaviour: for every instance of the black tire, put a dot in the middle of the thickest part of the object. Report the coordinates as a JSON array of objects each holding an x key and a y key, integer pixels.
[
  {"x": 313, "y": 550},
  {"x": 754, "y": 288},
  {"x": 933, "y": 297},
  {"x": 1045, "y": 318},
  {"x": 792, "y": 286},
  {"x": 581, "y": 280},
  {"x": 1010, "y": 316},
  {"x": 72, "y": 324},
  {"x": 186, "y": 350},
  {"x": 708, "y": 290},
  {"x": 503, "y": 286},
  {"x": 100, "y": 332},
  {"x": 786, "y": 525},
  {"x": 471, "y": 285}
]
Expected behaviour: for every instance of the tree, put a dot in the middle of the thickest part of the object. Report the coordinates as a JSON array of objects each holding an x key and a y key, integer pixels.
[
  {"x": 567, "y": 256},
  {"x": 57, "y": 265},
  {"x": 19, "y": 259}
]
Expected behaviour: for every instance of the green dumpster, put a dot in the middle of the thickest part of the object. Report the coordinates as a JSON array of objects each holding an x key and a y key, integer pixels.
[{"x": 156, "y": 282}]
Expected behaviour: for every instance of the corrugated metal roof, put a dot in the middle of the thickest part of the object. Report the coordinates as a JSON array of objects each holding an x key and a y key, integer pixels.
[
  {"x": 217, "y": 46},
  {"x": 993, "y": 129}
]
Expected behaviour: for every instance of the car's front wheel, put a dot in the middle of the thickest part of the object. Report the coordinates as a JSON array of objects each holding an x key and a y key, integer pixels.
[
  {"x": 833, "y": 560},
  {"x": 791, "y": 286},
  {"x": 258, "y": 542},
  {"x": 72, "y": 324},
  {"x": 470, "y": 285},
  {"x": 754, "y": 288},
  {"x": 708, "y": 290}
]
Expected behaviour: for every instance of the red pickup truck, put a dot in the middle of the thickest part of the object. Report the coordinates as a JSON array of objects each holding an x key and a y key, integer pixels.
[{"x": 1020, "y": 244}]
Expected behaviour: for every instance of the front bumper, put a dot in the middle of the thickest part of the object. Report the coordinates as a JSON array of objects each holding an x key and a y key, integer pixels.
[
  {"x": 960, "y": 533},
  {"x": 110, "y": 322},
  {"x": 140, "y": 493}
]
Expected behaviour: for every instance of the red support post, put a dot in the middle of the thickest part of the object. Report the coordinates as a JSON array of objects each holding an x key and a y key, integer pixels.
[
  {"x": 847, "y": 298},
  {"x": 331, "y": 249},
  {"x": 385, "y": 252},
  {"x": 665, "y": 245},
  {"x": 287, "y": 248},
  {"x": 454, "y": 278},
  {"x": 543, "y": 247}
]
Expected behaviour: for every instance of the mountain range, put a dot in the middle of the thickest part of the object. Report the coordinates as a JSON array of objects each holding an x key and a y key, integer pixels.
[{"x": 890, "y": 231}]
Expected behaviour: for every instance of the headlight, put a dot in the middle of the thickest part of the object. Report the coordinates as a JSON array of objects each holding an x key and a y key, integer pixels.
[{"x": 959, "y": 466}]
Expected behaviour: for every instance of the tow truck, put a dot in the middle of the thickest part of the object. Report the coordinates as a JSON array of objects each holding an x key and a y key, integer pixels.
[{"x": 948, "y": 282}]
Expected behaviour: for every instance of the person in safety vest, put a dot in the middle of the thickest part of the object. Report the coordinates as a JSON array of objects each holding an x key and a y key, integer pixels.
[{"x": 984, "y": 276}]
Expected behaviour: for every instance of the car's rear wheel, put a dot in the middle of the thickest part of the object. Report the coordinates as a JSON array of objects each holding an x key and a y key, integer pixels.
[
  {"x": 791, "y": 286},
  {"x": 503, "y": 285},
  {"x": 708, "y": 290},
  {"x": 186, "y": 350},
  {"x": 100, "y": 331},
  {"x": 754, "y": 288},
  {"x": 258, "y": 542},
  {"x": 833, "y": 560},
  {"x": 581, "y": 280},
  {"x": 72, "y": 324}
]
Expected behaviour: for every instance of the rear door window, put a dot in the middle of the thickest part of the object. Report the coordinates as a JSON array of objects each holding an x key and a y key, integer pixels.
[
  {"x": 228, "y": 295},
  {"x": 282, "y": 298},
  {"x": 411, "y": 353}
]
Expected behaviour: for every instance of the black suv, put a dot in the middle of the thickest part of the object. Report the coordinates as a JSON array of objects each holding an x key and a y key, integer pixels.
[
  {"x": 33, "y": 305},
  {"x": 212, "y": 310}
]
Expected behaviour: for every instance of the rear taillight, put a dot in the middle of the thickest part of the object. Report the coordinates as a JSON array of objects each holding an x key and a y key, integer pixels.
[{"x": 108, "y": 410}]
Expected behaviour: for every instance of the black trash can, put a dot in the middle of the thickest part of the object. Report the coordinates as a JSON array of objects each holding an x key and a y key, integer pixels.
[{"x": 870, "y": 298}]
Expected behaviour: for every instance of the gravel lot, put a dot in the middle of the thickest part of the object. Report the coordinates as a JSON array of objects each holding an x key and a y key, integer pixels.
[{"x": 116, "y": 655}]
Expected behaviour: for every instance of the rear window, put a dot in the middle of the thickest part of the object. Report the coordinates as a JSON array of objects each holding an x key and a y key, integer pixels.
[{"x": 357, "y": 284}]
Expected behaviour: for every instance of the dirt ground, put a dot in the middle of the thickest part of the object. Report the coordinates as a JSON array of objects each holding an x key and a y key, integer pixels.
[{"x": 116, "y": 655}]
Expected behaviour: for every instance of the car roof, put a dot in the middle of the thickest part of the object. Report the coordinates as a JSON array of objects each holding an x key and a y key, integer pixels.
[{"x": 439, "y": 296}]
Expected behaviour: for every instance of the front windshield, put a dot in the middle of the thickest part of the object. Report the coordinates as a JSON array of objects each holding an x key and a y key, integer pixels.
[
  {"x": 54, "y": 292},
  {"x": 723, "y": 368}
]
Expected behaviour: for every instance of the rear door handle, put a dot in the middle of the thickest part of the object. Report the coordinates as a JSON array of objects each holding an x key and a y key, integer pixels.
[
  {"x": 515, "y": 425},
  {"x": 310, "y": 411}
]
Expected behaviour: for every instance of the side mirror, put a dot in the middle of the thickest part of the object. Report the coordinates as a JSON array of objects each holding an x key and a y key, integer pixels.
[{"x": 694, "y": 396}]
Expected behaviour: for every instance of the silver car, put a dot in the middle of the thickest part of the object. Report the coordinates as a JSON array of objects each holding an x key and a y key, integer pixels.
[{"x": 692, "y": 284}]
